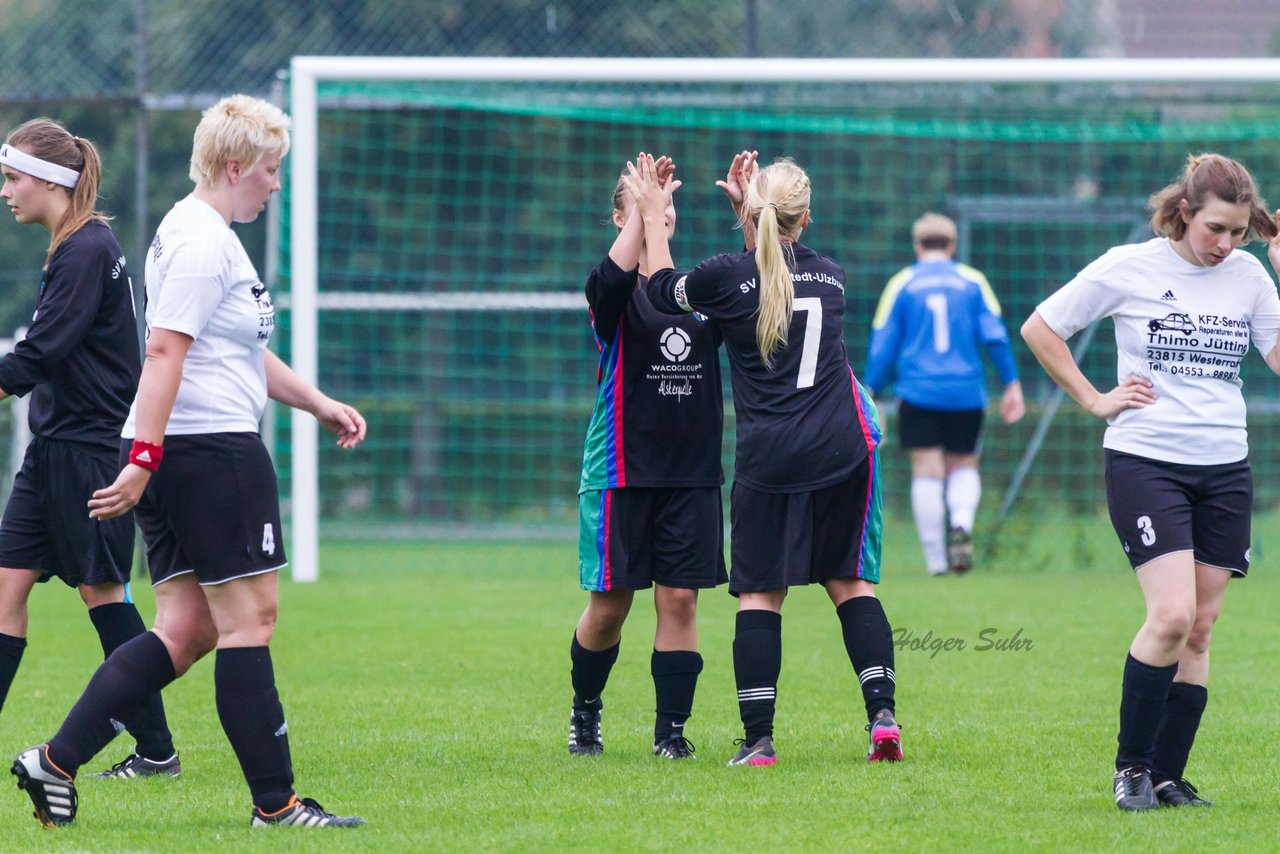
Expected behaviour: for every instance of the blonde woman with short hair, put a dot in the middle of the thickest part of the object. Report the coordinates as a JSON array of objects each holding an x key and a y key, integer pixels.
[{"x": 203, "y": 482}]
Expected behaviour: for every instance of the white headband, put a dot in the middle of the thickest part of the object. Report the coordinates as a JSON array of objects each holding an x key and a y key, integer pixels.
[{"x": 38, "y": 168}]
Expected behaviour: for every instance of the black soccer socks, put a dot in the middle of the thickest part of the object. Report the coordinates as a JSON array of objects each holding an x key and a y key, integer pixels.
[
  {"x": 1177, "y": 731},
  {"x": 869, "y": 642},
  {"x": 1142, "y": 704},
  {"x": 136, "y": 670},
  {"x": 757, "y": 661},
  {"x": 675, "y": 677},
  {"x": 118, "y": 623},
  {"x": 253, "y": 719},
  {"x": 589, "y": 673},
  {"x": 10, "y": 657}
]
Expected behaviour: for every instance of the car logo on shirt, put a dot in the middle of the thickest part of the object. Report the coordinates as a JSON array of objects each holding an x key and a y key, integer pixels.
[{"x": 1175, "y": 322}]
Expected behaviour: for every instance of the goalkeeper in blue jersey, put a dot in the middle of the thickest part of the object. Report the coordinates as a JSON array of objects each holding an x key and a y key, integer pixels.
[{"x": 933, "y": 320}]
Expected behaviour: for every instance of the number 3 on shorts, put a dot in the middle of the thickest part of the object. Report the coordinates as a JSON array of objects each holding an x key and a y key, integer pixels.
[
  {"x": 1148, "y": 532},
  {"x": 269, "y": 539}
]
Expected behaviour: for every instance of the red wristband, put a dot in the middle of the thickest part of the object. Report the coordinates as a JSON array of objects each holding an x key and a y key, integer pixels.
[{"x": 146, "y": 455}]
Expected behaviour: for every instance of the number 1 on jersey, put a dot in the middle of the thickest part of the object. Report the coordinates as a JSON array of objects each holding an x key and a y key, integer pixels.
[
  {"x": 937, "y": 304},
  {"x": 812, "y": 307}
]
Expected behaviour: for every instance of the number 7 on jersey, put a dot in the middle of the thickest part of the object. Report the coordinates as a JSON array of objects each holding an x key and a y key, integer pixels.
[{"x": 812, "y": 307}]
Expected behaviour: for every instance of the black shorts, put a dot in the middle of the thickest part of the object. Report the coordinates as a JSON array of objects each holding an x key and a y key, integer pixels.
[
  {"x": 788, "y": 539},
  {"x": 1158, "y": 508},
  {"x": 956, "y": 431},
  {"x": 634, "y": 537},
  {"x": 46, "y": 524},
  {"x": 212, "y": 509}
]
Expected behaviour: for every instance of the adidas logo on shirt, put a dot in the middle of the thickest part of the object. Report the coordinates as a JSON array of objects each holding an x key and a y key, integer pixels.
[{"x": 1168, "y": 296}]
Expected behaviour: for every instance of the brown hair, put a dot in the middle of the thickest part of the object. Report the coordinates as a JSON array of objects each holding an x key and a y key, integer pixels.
[
  {"x": 777, "y": 199},
  {"x": 1206, "y": 177},
  {"x": 49, "y": 140}
]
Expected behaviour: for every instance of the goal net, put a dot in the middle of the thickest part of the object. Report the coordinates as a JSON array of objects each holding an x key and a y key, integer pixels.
[{"x": 441, "y": 216}]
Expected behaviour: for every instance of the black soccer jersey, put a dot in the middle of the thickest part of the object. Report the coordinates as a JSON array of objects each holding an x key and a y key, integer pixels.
[
  {"x": 659, "y": 410},
  {"x": 801, "y": 424},
  {"x": 81, "y": 351}
]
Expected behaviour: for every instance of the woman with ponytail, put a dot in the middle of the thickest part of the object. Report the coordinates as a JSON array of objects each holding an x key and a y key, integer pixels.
[
  {"x": 80, "y": 363},
  {"x": 649, "y": 515},
  {"x": 191, "y": 460},
  {"x": 806, "y": 492},
  {"x": 1186, "y": 307}
]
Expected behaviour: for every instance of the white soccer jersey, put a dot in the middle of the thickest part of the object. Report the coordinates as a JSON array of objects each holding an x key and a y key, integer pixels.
[
  {"x": 1183, "y": 327},
  {"x": 200, "y": 282}
]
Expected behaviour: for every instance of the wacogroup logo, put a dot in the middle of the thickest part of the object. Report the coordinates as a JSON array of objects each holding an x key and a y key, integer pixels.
[{"x": 675, "y": 344}]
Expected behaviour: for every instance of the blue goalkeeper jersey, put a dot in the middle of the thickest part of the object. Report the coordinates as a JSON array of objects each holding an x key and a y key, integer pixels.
[{"x": 933, "y": 320}]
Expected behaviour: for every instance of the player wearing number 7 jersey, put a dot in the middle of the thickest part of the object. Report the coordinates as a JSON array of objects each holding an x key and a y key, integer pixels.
[
  {"x": 932, "y": 324},
  {"x": 806, "y": 491}
]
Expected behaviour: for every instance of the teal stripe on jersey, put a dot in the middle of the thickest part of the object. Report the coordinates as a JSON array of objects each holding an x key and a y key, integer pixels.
[
  {"x": 591, "y": 529},
  {"x": 602, "y": 453},
  {"x": 873, "y": 520}
]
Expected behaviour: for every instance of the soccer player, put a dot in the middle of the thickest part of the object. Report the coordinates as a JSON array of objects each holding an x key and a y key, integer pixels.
[
  {"x": 1186, "y": 306},
  {"x": 203, "y": 483},
  {"x": 933, "y": 320},
  {"x": 806, "y": 495},
  {"x": 80, "y": 363},
  {"x": 649, "y": 509}
]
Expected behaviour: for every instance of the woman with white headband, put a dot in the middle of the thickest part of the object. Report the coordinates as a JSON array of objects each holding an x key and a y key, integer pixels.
[
  {"x": 80, "y": 364},
  {"x": 203, "y": 483}
]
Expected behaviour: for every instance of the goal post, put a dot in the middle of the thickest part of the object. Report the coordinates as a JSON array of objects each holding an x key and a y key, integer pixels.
[{"x": 925, "y": 113}]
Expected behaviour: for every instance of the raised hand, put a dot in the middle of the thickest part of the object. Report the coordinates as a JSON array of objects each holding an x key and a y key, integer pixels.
[
  {"x": 652, "y": 195},
  {"x": 738, "y": 177},
  {"x": 665, "y": 167}
]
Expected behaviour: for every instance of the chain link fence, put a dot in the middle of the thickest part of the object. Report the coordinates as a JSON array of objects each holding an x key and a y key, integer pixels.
[
  {"x": 174, "y": 52},
  {"x": 132, "y": 74}
]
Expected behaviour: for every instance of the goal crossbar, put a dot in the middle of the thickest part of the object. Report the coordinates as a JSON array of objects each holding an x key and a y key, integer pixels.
[{"x": 307, "y": 72}]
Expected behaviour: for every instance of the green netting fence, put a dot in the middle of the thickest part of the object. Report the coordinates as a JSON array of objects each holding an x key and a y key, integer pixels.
[{"x": 457, "y": 223}]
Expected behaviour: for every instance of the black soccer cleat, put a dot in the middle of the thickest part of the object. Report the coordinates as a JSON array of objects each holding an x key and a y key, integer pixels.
[
  {"x": 674, "y": 746},
  {"x": 303, "y": 813},
  {"x": 959, "y": 550},
  {"x": 51, "y": 789},
  {"x": 1133, "y": 789},
  {"x": 138, "y": 766},
  {"x": 1179, "y": 793},
  {"x": 584, "y": 733}
]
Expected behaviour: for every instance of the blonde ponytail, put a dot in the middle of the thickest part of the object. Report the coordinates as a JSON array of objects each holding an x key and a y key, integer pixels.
[{"x": 777, "y": 200}]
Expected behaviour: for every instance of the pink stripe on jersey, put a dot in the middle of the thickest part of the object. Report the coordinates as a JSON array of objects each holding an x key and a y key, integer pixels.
[
  {"x": 606, "y": 520},
  {"x": 862, "y": 417},
  {"x": 619, "y": 462}
]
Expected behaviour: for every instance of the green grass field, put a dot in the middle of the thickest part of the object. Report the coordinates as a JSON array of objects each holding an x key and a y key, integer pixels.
[{"x": 426, "y": 687}]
